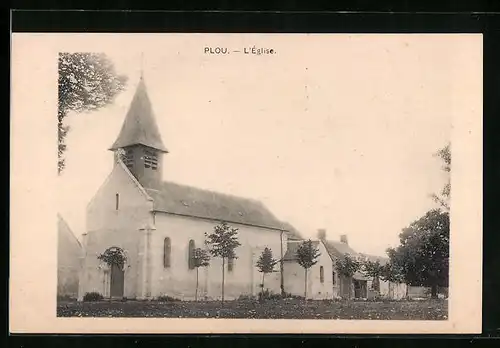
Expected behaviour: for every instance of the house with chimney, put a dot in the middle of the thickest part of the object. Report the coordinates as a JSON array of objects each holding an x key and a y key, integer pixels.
[
  {"x": 325, "y": 281},
  {"x": 321, "y": 277},
  {"x": 346, "y": 287},
  {"x": 359, "y": 285}
]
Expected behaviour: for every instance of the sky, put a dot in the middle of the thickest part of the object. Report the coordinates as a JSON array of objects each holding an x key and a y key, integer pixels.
[{"x": 335, "y": 132}]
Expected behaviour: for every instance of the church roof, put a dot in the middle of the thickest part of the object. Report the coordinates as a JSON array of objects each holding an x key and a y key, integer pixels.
[
  {"x": 293, "y": 233},
  {"x": 140, "y": 125},
  {"x": 186, "y": 200}
]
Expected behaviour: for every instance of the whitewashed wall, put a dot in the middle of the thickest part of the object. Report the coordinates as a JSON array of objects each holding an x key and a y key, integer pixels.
[
  {"x": 110, "y": 227},
  {"x": 180, "y": 282},
  {"x": 294, "y": 278}
]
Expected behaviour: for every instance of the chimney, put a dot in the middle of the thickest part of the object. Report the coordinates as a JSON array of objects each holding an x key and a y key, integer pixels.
[
  {"x": 322, "y": 233},
  {"x": 343, "y": 239}
]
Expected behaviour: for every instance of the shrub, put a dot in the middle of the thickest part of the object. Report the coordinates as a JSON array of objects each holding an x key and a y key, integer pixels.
[
  {"x": 275, "y": 296},
  {"x": 264, "y": 295},
  {"x": 268, "y": 295},
  {"x": 443, "y": 291},
  {"x": 290, "y": 296},
  {"x": 246, "y": 298},
  {"x": 92, "y": 297},
  {"x": 166, "y": 298}
]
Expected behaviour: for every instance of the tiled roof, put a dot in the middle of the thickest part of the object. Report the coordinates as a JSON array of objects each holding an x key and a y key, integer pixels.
[
  {"x": 191, "y": 201},
  {"x": 292, "y": 246},
  {"x": 293, "y": 233},
  {"x": 140, "y": 125},
  {"x": 337, "y": 249}
]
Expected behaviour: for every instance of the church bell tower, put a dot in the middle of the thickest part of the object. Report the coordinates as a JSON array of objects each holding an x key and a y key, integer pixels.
[{"x": 139, "y": 143}]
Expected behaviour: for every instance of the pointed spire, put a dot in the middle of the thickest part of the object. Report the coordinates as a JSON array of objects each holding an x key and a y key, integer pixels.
[{"x": 140, "y": 125}]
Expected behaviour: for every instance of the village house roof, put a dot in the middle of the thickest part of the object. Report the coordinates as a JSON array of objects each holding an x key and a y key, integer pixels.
[
  {"x": 191, "y": 201},
  {"x": 292, "y": 246},
  {"x": 338, "y": 249},
  {"x": 140, "y": 126},
  {"x": 64, "y": 229}
]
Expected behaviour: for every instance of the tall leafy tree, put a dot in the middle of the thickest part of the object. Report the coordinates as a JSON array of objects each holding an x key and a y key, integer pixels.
[
  {"x": 266, "y": 263},
  {"x": 201, "y": 258},
  {"x": 391, "y": 272},
  {"x": 307, "y": 256},
  {"x": 423, "y": 254},
  {"x": 443, "y": 197},
  {"x": 222, "y": 243},
  {"x": 87, "y": 82},
  {"x": 387, "y": 272},
  {"x": 374, "y": 270},
  {"x": 347, "y": 266}
]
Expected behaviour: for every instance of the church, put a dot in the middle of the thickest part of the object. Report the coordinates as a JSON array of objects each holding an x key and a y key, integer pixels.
[{"x": 157, "y": 225}]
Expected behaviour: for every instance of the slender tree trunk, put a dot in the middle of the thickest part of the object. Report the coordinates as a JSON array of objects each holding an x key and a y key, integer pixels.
[
  {"x": 263, "y": 275},
  {"x": 282, "y": 280},
  {"x": 223, "y": 266},
  {"x": 196, "y": 293},
  {"x": 305, "y": 284},
  {"x": 434, "y": 291},
  {"x": 109, "y": 280},
  {"x": 349, "y": 285}
]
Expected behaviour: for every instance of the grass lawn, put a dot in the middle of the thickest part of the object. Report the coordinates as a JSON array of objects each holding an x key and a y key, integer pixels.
[{"x": 271, "y": 309}]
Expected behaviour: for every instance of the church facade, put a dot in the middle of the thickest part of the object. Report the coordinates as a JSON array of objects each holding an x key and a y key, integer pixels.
[{"x": 157, "y": 225}]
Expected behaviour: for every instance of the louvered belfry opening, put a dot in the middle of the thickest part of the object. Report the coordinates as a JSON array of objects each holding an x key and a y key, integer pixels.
[
  {"x": 128, "y": 158},
  {"x": 151, "y": 159}
]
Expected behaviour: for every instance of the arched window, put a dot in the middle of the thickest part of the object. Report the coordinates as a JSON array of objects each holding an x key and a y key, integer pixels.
[
  {"x": 321, "y": 274},
  {"x": 167, "y": 248},
  {"x": 191, "y": 254},
  {"x": 230, "y": 264}
]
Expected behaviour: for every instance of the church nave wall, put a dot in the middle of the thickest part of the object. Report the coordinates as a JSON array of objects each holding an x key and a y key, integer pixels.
[{"x": 177, "y": 280}]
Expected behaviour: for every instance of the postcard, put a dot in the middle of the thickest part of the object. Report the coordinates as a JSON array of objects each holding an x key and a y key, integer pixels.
[{"x": 246, "y": 183}]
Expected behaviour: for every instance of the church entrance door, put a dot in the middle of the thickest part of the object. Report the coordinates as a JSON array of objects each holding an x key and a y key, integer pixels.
[{"x": 117, "y": 279}]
